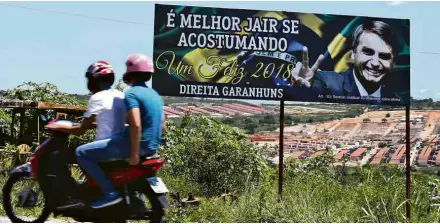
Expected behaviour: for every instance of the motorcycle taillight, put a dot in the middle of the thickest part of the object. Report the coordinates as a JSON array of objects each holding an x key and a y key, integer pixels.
[
  {"x": 153, "y": 164},
  {"x": 156, "y": 167}
]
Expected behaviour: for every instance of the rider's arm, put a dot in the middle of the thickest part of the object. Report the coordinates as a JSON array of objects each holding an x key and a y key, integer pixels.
[
  {"x": 87, "y": 123},
  {"x": 94, "y": 107},
  {"x": 134, "y": 121}
]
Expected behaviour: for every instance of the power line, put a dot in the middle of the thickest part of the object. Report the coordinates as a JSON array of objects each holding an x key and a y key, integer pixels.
[
  {"x": 124, "y": 21},
  {"x": 72, "y": 14},
  {"x": 426, "y": 52}
]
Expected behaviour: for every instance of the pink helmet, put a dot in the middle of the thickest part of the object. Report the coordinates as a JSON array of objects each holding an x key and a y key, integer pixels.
[{"x": 139, "y": 63}]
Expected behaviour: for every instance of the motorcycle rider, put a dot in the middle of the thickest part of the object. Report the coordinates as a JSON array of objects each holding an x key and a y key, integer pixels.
[
  {"x": 146, "y": 121},
  {"x": 144, "y": 107},
  {"x": 105, "y": 111}
]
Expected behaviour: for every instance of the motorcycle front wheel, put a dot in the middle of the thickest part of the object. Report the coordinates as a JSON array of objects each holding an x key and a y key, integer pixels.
[{"x": 23, "y": 200}]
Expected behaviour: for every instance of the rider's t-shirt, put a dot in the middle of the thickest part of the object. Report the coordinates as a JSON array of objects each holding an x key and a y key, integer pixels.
[
  {"x": 150, "y": 104},
  {"x": 109, "y": 108}
]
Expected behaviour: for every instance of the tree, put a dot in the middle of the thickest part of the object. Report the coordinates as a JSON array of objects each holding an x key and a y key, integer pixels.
[
  {"x": 268, "y": 119},
  {"x": 388, "y": 115},
  {"x": 120, "y": 85},
  {"x": 272, "y": 127},
  {"x": 43, "y": 92},
  {"x": 382, "y": 144},
  {"x": 250, "y": 127},
  {"x": 366, "y": 120},
  {"x": 384, "y": 120},
  {"x": 289, "y": 119},
  {"x": 212, "y": 155},
  {"x": 249, "y": 120},
  {"x": 296, "y": 120}
]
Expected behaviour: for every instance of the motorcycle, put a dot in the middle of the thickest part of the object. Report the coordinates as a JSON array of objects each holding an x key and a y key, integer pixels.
[{"x": 38, "y": 200}]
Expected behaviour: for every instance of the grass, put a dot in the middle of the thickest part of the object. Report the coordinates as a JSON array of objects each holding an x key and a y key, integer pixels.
[
  {"x": 379, "y": 196},
  {"x": 371, "y": 195}
]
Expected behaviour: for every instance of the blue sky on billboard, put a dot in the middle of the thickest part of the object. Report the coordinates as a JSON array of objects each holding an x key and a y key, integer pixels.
[{"x": 55, "y": 41}]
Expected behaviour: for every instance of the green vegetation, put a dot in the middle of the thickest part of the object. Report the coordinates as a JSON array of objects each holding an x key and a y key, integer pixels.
[
  {"x": 425, "y": 104},
  {"x": 211, "y": 158},
  {"x": 253, "y": 124},
  {"x": 416, "y": 104},
  {"x": 382, "y": 144},
  {"x": 44, "y": 92},
  {"x": 314, "y": 190},
  {"x": 172, "y": 100},
  {"x": 208, "y": 157},
  {"x": 313, "y": 196},
  {"x": 271, "y": 122}
]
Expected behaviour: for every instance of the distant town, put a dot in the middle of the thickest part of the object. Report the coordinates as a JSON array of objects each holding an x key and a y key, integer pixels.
[{"x": 373, "y": 138}]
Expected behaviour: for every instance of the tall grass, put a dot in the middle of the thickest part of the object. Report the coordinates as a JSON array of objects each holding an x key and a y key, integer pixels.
[
  {"x": 377, "y": 195},
  {"x": 313, "y": 192},
  {"x": 373, "y": 195}
]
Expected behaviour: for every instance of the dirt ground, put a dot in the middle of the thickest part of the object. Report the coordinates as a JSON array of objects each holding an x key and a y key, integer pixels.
[{"x": 430, "y": 123}]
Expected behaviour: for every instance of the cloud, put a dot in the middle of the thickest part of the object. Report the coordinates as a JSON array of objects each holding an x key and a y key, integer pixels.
[
  {"x": 438, "y": 94},
  {"x": 422, "y": 91},
  {"x": 396, "y": 3}
]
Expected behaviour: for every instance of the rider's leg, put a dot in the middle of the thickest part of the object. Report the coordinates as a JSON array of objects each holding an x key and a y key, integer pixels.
[{"x": 90, "y": 154}]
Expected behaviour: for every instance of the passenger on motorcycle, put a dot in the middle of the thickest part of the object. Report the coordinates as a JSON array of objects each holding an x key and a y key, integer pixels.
[
  {"x": 145, "y": 118},
  {"x": 144, "y": 107},
  {"x": 106, "y": 112}
]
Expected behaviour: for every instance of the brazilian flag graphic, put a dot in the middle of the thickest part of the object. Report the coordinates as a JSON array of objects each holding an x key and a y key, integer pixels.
[{"x": 329, "y": 35}]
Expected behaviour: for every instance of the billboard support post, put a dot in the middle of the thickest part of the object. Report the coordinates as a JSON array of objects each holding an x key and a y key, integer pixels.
[
  {"x": 408, "y": 164},
  {"x": 281, "y": 153}
]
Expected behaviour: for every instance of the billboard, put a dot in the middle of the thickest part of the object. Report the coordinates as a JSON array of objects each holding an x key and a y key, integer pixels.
[{"x": 278, "y": 55}]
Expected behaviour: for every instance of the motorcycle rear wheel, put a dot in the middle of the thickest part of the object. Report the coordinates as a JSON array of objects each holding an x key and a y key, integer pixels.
[{"x": 157, "y": 211}]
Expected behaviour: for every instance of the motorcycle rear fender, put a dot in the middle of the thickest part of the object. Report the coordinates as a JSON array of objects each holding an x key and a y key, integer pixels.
[
  {"x": 160, "y": 195},
  {"x": 163, "y": 200}
]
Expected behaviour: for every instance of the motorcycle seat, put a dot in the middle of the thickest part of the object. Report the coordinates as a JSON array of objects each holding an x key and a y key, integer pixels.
[{"x": 121, "y": 164}]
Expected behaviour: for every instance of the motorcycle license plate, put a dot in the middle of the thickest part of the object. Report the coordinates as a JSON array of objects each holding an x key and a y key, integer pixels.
[{"x": 157, "y": 185}]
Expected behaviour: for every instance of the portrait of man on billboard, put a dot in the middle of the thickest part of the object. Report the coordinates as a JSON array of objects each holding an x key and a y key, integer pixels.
[{"x": 373, "y": 56}]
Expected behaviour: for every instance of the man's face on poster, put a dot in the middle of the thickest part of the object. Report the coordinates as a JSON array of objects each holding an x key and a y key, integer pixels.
[{"x": 373, "y": 57}]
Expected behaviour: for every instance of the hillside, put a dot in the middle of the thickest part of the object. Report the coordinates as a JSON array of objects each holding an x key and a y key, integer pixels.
[{"x": 210, "y": 156}]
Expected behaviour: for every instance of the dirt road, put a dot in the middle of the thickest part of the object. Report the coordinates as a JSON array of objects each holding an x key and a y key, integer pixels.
[{"x": 432, "y": 118}]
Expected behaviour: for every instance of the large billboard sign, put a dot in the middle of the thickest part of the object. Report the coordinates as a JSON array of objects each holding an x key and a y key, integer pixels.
[{"x": 278, "y": 55}]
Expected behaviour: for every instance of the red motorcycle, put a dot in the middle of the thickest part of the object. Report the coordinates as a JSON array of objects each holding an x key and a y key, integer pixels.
[{"x": 30, "y": 189}]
